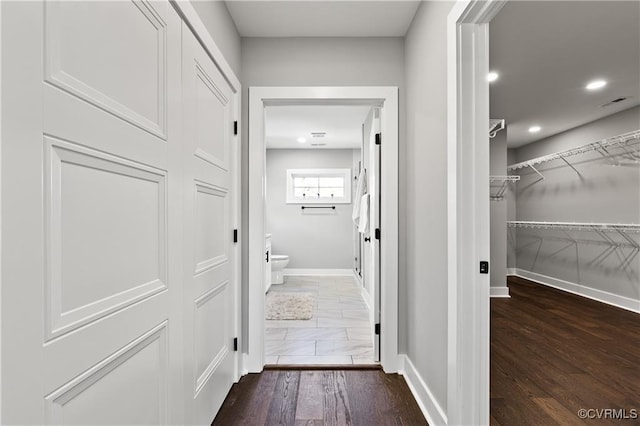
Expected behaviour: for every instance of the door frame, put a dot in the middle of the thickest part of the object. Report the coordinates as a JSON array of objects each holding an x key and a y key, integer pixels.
[
  {"x": 259, "y": 98},
  {"x": 468, "y": 209}
]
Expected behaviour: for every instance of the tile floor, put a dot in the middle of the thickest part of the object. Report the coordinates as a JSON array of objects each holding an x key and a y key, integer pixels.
[{"x": 338, "y": 333}]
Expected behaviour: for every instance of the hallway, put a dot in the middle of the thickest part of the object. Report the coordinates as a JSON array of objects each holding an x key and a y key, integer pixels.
[{"x": 320, "y": 397}]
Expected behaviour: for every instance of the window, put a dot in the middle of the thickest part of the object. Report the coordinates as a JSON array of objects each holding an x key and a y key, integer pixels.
[{"x": 308, "y": 186}]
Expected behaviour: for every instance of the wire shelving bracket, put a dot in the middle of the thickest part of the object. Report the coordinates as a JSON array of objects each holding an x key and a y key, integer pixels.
[
  {"x": 626, "y": 145},
  {"x": 504, "y": 182}
]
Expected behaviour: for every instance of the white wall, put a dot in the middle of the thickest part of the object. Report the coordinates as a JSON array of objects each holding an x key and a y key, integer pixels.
[
  {"x": 511, "y": 214},
  {"x": 217, "y": 20},
  {"x": 423, "y": 191},
  {"x": 311, "y": 61},
  {"x": 498, "y": 212},
  {"x": 601, "y": 193},
  {"x": 313, "y": 239}
]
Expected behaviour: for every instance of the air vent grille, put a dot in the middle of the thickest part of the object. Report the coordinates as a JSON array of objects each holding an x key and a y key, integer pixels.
[
  {"x": 616, "y": 100},
  {"x": 318, "y": 134}
]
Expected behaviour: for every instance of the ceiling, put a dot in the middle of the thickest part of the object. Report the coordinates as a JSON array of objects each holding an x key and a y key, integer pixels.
[
  {"x": 546, "y": 52},
  {"x": 312, "y": 18},
  {"x": 342, "y": 125}
]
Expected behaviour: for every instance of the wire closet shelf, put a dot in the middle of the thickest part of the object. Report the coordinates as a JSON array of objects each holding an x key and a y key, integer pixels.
[
  {"x": 504, "y": 182},
  {"x": 624, "y": 230},
  {"x": 626, "y": 145}
]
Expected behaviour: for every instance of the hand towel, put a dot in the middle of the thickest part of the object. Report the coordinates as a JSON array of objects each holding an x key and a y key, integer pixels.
[{"x": 361, "y": 189}]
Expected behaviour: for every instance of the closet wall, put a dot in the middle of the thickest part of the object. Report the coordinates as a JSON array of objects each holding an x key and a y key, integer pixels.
[
  {"x": 602, "y": 191},
  {"x": 498, "y": 216}
]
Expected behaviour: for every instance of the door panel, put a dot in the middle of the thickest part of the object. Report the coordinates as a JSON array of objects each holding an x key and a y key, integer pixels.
[
  {"x": 91, "y": 297},
  {"x": 209, "y": 286},
  {"x": 90, "y": 66}
]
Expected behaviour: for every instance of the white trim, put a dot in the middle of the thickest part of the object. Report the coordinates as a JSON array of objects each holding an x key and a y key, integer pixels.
[
  {"x": 468, "y": 210},
  {"x": 431, "y": 409},
  {"x": 317, "y": 272},
  {"x": 499, "y": 292},
  {"x": 190, "y": 17},
  {"x": 387, "y": 97},
  {"x": 511, "y": 271},
  {"x": 581, "y": 290},
  {"x": 367, "y": 300}
]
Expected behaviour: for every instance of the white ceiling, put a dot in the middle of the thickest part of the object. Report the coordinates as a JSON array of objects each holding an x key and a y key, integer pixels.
[
  {"x": 342, "y": 124},
  {"x": 546, "y": 52},
  {"x": 312, "y": 18}
]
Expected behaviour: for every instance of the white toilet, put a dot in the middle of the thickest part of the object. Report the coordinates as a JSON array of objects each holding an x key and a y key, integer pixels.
[{"x": 278, "y": 262}]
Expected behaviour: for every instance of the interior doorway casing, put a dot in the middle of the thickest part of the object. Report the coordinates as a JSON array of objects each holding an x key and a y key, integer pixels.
[
  {"x": 261, "y": 97},
  {"x": 468, "y": 210}
]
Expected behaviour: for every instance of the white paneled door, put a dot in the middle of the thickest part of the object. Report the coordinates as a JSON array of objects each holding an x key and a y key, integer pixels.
[
  {"x": 117, "y": 294},
  {"x": 208, "y": 267}
]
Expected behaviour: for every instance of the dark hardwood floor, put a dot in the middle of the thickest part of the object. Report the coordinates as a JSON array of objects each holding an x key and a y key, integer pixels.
[
  {"x": 554, "y": 353},
  {"x": 320, "y": 397}
]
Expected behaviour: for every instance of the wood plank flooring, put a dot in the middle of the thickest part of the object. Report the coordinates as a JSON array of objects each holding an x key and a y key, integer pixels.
[
  {"x": 554, "y": 353},
  {"x": 320, "y": 398}
]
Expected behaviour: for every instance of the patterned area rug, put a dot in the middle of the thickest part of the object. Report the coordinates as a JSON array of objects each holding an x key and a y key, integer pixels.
[{"x": 289, "y": 306}]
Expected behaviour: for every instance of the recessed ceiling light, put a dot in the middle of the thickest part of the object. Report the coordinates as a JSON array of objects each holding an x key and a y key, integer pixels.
[
  {"x": 596, "y": 84},
  {"x": 301, "y": 140},
  {"x": 492, "y": 76},
  {"x": 534, "y": 129}
]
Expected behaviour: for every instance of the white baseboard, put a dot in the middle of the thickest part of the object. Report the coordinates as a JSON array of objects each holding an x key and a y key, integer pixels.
[
  {"x": 511, "y": 271},
  {"x": 499, "y": 292},
  {"x": 430, "y": 408},
  {"x": 314, "y": 272},
  {"x": 588, "y": 292},
  {"x": 358, "y": 278},
  {"x": 366, "y": 297}
]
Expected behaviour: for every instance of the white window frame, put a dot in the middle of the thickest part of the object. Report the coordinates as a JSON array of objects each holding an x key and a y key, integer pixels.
[{"x": 343, "y": 173}]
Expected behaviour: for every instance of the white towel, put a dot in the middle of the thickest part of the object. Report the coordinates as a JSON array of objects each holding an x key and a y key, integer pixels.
[
  {"x": 361, "y": 189},
  {"x": 363, "y": 225}
]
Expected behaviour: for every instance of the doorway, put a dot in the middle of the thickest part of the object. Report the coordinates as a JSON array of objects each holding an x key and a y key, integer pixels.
[
  {"x": 320, "y": 307},
  {"x": 386, "y": 98}
]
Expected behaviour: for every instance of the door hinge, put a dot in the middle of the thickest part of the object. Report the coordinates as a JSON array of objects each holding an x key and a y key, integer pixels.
[
  {"x": 267, "y": 256},
  {"x": 484, "y": 267},
  {"x": 377, "y": 329},
  {"x": 377, "y": 233},
  {"x": 378, "y": 138},
  {"x": 235, "y": 127},
  {"x": 235, "y": 344},
  {"x": 235, "y": 235}
]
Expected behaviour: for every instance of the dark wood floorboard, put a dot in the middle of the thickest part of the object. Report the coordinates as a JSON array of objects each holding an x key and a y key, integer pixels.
[
  {"x": 320, "y": 398},
  {"x": 554, "y": 353}
]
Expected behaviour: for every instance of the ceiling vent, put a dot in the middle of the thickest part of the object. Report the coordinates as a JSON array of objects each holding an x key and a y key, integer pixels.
[
  {"x": 617, "y": 100},
  {"x": 318, "y": 134},
  {"x": 319, "y": 144}
]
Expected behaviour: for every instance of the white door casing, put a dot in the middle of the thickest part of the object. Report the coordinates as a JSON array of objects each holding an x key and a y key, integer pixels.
[
  {"x": 96, "y": 310},
  {"x": 259, "y": 97},
  {"x": 468, "y": 210}
]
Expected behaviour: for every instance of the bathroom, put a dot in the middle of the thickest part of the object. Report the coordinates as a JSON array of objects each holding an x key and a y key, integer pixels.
[{"x": 313, "y": 212}]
